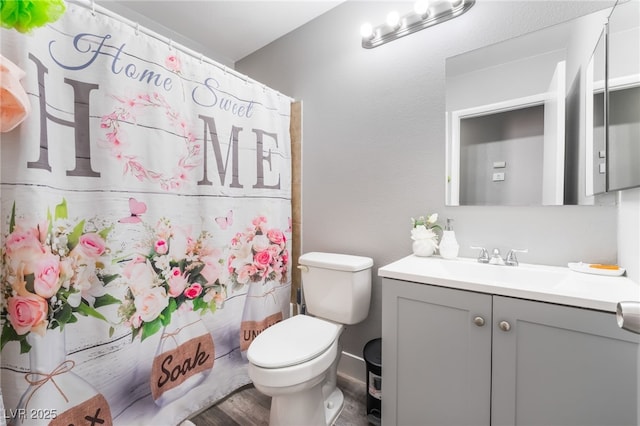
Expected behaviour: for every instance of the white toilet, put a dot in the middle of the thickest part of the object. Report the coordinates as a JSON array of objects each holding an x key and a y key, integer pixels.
[{"x": 296, "y": 361}]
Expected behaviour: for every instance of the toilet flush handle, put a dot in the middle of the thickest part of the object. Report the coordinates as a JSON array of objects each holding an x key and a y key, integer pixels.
[{"x": 303, "y": 268}]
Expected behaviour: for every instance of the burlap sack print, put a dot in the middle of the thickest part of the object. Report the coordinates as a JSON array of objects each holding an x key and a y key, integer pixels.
[
  {"x": 92, "y": 412},
  {"x": 250, "y": 329},
  {"x": 173, "y": 367}
]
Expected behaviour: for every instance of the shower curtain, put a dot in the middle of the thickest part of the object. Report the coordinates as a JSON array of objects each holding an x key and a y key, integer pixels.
[{"x": 146, "y": 223}]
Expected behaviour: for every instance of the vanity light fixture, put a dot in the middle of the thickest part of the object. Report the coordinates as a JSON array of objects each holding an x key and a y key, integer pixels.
[{"x": 425, "y": 14}]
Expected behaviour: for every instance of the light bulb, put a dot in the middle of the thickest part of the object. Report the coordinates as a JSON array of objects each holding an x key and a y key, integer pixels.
[
  {"x": 366, "y": 31},
  {"x": 393, "y": 19},
  {"x": 421, "y": 7}
]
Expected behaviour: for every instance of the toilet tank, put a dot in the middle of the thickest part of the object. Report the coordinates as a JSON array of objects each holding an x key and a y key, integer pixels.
[{"x": 336, "y": 287}]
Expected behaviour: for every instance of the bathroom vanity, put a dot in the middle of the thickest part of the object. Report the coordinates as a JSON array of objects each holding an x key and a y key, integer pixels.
[{"x": 465, "y": 343}]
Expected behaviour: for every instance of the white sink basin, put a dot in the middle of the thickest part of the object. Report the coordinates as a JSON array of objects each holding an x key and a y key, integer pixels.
[{"x": 523, "y": 275}]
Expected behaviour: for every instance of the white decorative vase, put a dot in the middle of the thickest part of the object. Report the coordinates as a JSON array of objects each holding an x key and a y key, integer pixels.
[
  {"x": 425, "y": 247},
  {"x": 56, "y": 395},
  {"x": 184, "y": 357},
  {"x": 262, "y": 309}
]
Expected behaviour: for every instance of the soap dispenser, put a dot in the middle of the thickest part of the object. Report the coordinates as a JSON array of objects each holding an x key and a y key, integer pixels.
[{"x": 449, "y": 245}]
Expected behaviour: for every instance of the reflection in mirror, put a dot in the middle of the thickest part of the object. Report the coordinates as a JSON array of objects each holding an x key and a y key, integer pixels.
[
  {"x": 507, "y": 115},
  {"x": 495, "y": 144},
  {"x": 595, "y": 119},
  {"x": 623, "y": 103}
]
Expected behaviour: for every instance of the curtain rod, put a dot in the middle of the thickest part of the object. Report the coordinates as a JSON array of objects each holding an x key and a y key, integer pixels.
[{"x": 95, "y": 8}]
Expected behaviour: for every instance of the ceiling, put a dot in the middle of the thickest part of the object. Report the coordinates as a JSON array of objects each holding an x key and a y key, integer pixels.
[{"x": 232, "y": 29}]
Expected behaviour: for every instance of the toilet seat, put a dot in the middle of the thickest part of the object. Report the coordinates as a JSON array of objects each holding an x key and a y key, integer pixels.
[{"x": 293, "y": 341}]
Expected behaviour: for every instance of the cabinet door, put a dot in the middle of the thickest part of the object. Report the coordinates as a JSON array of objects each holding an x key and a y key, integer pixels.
[
  {"x": 435, "y": 360},
  {"x": 558, "y": 365}
]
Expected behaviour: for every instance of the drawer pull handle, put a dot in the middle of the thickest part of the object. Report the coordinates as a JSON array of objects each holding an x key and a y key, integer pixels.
[
  {"x": 504, "y": 326},
  {"x": 479, "y": 321}
]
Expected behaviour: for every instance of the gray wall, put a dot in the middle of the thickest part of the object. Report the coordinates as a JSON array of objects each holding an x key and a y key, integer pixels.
[
  {"x": 496, "y": 83},
  {"x": 624, "y": 137},
  {"x": 515, "y": 137},
  {"x": 374, "y": 141}
]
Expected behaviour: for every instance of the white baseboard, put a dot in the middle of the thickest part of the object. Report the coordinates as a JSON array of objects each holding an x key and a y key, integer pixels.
[{"x": 353, "y": 366}]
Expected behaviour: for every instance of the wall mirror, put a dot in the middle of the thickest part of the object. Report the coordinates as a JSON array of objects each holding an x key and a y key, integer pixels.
[
  {"x": 514, "y": 113},
  {"x": 623, "y": 97}
]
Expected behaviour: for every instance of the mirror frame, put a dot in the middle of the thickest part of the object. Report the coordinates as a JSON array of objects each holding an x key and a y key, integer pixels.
[{"x": 631, "y": 81}]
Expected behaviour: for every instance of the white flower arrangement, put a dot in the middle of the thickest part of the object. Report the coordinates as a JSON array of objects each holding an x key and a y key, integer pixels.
[
  {"x": 423, "y": 232},
  {"x": 423, "y": 227}
]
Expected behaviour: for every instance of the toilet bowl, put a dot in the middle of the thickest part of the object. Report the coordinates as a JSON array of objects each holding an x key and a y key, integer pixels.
[
  {"x": 295, "y": 361},
  {"x": 292, "y": 361}
]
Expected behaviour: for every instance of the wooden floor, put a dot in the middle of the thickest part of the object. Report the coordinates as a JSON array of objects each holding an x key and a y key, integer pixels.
[{"x": 248, "y": 407}]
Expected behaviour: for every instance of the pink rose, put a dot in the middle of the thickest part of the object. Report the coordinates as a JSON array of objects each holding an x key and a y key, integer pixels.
[
  {"x": 27, "y": 314},
  {"x": 177, "y": 282},
  {"x": 276, "y": 236},
  {"x": 274, "y": 250},
  {"x": 263, "y": 259},
  {"x": 15, "y": 106},
  {"x": 161, "y": 246},
  {"x": 151, "y": 303},
  {"x": 23, "y": 246},
  {"x": 92, "y": 245},
  {"x": 193, "y": 291},
  {"x": 47, "y": 275}
]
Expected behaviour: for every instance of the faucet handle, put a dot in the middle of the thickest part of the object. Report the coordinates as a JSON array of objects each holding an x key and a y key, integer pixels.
[
  {"x": 511, "y": 259},
  {"x": 483, "y": 257}
]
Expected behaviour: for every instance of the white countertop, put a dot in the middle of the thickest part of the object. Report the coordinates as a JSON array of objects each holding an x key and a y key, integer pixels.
[{"x": 552, "y": 284}]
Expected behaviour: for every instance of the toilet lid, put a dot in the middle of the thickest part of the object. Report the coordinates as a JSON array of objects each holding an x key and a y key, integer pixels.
[{"x": 292, "y": 341}]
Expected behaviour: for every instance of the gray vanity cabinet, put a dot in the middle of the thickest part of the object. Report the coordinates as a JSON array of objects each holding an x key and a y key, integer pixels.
[
  {"x": 436, "y": 367},
  {"x": 456, "y": 357},
  {"x": 559, "y": 365}
]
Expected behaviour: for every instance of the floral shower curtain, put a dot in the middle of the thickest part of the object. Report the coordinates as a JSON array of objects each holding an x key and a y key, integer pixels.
[{"x": 145, "y": 218}]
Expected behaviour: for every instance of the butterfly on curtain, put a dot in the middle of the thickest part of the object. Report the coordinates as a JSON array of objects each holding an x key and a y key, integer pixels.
[
  {"x": 137, "y": 208},
  {"x": 225, "y": 221}
]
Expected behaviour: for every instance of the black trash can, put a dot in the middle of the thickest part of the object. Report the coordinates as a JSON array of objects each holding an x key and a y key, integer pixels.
[{"x": 373, "y": 360}]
